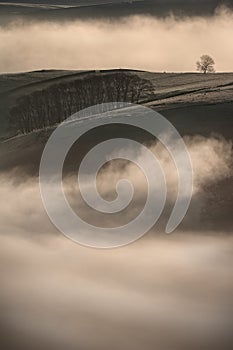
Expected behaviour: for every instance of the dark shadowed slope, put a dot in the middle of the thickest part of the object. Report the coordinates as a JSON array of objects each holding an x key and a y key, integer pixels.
[{"x": 9, "y": 12}]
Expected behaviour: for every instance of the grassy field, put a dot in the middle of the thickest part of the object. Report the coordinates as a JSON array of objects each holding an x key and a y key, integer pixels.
[
  {"x": 196, "y": 104},
  {"x": 176, "y": 94}
]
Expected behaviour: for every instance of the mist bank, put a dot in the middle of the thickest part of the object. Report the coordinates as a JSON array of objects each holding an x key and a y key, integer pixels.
[
  {"x": 173, "y": 291},
  {"x": 138, "y": 42},
  {"x": 22, "y": 210},
  {"x": 162, "y": 291}
]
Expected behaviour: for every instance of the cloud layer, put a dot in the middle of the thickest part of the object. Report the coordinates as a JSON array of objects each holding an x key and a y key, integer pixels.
[
  {"x": 22, "y": 210},
  {"x": 147, "y": 43},
  {"x": 160, "y": 292}
]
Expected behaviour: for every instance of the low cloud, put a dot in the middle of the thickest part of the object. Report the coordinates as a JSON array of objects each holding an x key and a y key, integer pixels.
[
  {"x": 141, "y": 42},
  {"x": 160, "y": 292},
  {"x": 22, "y": 210}
]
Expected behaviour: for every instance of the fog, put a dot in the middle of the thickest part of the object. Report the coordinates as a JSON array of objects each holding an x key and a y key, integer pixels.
[
  {"x": 163, "y": 291},
  {"x": 140, "y": 42},
  {"x": 22, "y": 209},
  {"x": 168, "y": 292}
]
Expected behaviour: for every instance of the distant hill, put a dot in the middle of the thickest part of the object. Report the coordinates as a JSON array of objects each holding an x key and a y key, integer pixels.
[
  {"x": 53, "y": 10},
  {"x": 61, "y": 3}
]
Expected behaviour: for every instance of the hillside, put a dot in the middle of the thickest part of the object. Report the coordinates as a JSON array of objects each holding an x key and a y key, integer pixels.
[
  {"x": 71, "y": 10},
  {"x": 170, "y": 90},
  {"x": 194, "y": 103}
]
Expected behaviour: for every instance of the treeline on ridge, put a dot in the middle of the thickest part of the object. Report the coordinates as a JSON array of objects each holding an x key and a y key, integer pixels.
[{"x": 52, "y": 105}]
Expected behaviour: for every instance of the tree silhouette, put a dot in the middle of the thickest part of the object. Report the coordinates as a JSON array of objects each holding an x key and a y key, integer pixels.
[{"x": 206, "y": 64}]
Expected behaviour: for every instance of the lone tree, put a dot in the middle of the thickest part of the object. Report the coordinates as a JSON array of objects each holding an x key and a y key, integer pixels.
[{"x": 206, "y": 64}]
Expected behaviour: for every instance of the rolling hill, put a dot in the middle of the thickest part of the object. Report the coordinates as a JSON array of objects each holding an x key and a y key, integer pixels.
[
  {"x": 52, "y": 10},
  {"x": 195, "y": 103}
]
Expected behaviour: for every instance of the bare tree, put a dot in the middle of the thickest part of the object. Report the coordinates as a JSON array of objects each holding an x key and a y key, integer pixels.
[{"x": 206, "y": 64}]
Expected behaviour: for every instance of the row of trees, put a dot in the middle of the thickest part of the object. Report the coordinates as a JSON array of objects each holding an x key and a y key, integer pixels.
[{"x": 54, "y": 104}]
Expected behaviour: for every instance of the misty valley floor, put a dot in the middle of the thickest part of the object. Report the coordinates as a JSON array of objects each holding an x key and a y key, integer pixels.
[{"x": 165, "y": 292}]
